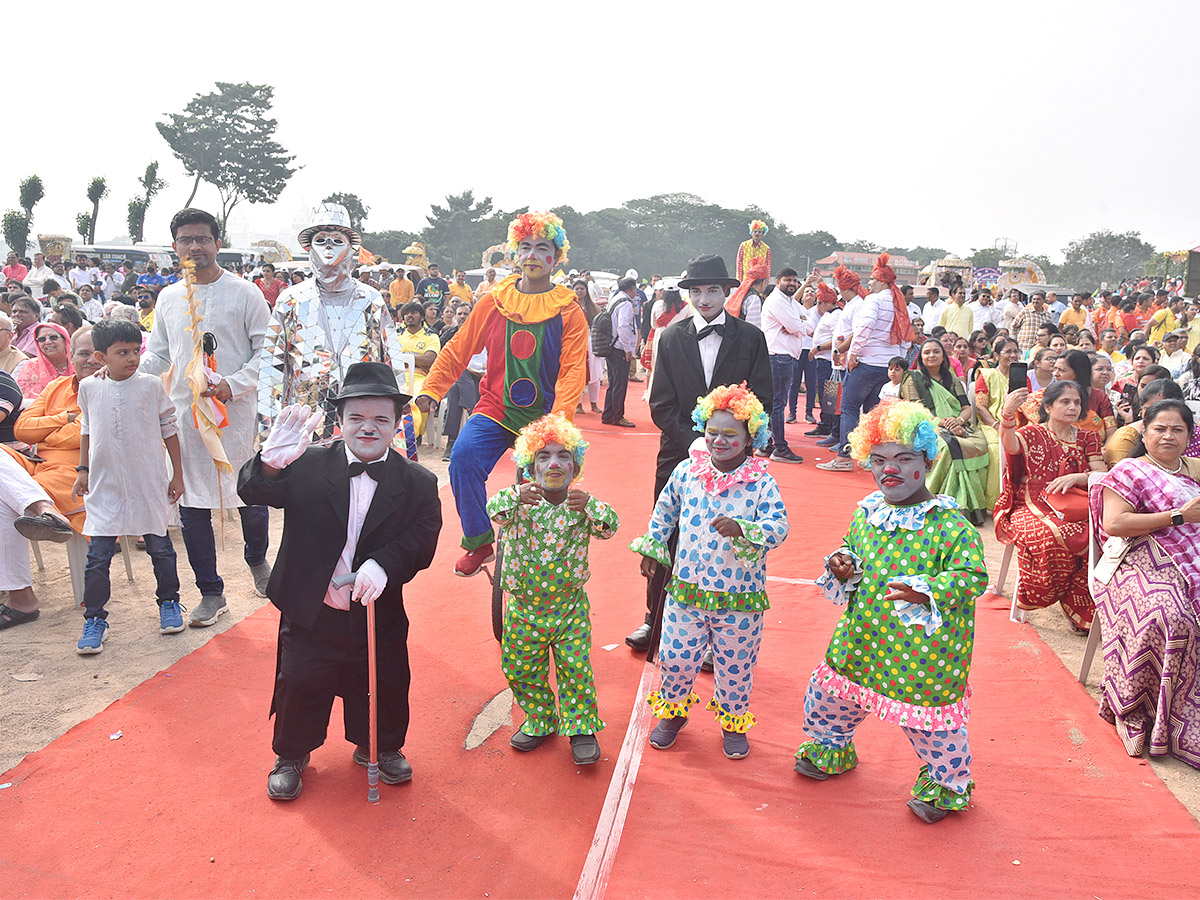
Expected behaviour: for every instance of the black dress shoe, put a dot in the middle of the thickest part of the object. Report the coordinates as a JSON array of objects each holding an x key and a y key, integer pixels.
[
  {"x": 284, "y": 781},
  {"x": 817, "y": 432},
  {"x": 639, "y": 638},
  {"x": 926, "y": 812},
  {"x": 808, "y": 770},
  {"x": 43, "y": 527},
  {"x": 526, "y": 742},
  {"x": 393, "y": 767},
  {"x": 585, "y": 749}
]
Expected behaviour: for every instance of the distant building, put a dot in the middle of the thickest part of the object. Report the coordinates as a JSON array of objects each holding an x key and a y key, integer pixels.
[{"x": 861, "y": 264}]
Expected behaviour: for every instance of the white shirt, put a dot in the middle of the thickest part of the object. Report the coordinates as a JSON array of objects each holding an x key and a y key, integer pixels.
[
  {"x": 845, "y": 322},
  {"x": 752, "y": 308},
  {"x": 1010, "y": 310},
  {"x": 38, "y": 275},
  {"x": 872, "y": 342},
  {"x": 985, "y": 314},
  {"x": 93, "y": 310},
  {"x": 824, "y": 331},
  {"x": 126, "y": 423},
  {"x": 362, "y": 492},
  {"x": 710, "y": 344},
  {"x": 932, "y": 313},
  {"x": 784, "y": 323},
  {"x": 1175, "y": 362}
]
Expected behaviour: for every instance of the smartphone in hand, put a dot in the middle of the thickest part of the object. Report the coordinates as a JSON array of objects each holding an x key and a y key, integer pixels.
[{"x": 1018, "y": 376}]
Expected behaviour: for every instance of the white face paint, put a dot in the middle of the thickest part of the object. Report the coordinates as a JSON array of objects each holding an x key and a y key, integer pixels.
[
  {"x": 899, "y": 472},
  {"x": 727, "y": 440},
  {"x": 368, "y": 426},
  {"x": 553, "y": 467},
  {"x": 535, "y": 256},
  {"x": 707, "y": 299}
]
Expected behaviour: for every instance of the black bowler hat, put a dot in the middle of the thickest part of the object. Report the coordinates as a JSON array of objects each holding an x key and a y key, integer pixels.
[
  {"x": 708, "y": 269},
  {"x": 371, "y": 379}
]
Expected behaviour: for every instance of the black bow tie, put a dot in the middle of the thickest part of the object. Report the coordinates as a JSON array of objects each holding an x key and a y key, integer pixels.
[
  {"x": 704, "y": 332},
  {"x": 373, "y": 472}
]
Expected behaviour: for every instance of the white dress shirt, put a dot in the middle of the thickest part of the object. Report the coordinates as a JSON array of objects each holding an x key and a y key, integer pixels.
[
  {"x": 362, "y": 492},
  {"x": 827, "y": 326},
  {"x": 710, "y": 344},
  {"x": 932, "y": 313},
  {"x": 784, "y": 323},
  {"x": 984, "y": 314},
  {"x": 872, "y": 342}
]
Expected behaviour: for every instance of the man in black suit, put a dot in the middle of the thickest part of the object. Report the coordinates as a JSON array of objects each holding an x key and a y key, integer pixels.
[
  {"x": 694, "y": 356},
  {"x": 353, "y": 509}
]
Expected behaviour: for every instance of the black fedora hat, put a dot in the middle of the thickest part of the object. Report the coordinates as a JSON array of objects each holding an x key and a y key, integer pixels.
[
  {"x": 707, "y": 269},
  {"x": 370, "y": 379}
]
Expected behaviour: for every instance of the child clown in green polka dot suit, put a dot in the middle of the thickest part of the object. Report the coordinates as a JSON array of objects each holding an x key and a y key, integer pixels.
[
  {"x": 548, "y": 523},
  {"x": 908, "y": 571}
]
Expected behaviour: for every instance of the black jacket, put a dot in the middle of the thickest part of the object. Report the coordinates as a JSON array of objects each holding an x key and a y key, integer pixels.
[
  {"x": 400, "y": 531},
  {"x": 679, "y": 382}
]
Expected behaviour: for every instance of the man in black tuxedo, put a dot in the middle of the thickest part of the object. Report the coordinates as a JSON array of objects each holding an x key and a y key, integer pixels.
[
  {"x": 694, "y": 356},
  {"x": 353, "y": 509}
]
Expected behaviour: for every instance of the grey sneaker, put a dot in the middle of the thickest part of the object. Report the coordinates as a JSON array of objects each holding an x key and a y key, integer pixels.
[
  {"x": 262, "y": 574},
  {"x": 208, "y": 610}
]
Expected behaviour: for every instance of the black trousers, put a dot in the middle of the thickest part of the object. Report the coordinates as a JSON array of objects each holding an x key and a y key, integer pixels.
[
  {"x": 330, "y": 660},
  {"x": 618, "y": 383}
]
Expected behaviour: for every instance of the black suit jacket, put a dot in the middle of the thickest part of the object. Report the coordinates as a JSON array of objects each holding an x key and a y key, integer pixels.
[
  {"x": 679, "y": 382},
  {"x": 400, "y": 531}
]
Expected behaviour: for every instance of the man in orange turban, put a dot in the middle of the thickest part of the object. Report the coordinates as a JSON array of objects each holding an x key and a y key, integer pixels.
[{"x": 881, "y": 330}]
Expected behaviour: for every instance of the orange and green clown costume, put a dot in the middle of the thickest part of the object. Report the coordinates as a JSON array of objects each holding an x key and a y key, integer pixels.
[{"x": 536, "y": 364}]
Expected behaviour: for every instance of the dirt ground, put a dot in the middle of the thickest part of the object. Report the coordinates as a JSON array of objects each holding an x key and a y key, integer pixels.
[{"x": 46, "y": 688}]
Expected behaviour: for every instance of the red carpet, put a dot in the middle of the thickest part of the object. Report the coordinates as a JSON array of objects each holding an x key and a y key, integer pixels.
[{"x": 178, "y": 806}]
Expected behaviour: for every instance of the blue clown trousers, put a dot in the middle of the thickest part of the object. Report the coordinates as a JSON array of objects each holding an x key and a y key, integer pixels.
[{"x": 478, "y": 448}]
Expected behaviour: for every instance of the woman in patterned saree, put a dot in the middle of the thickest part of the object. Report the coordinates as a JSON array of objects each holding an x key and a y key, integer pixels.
[
  {"x": 960, "y": 470},
  {"x": 1148, "y": 609},
  {"x": 1051, "y": 456}
]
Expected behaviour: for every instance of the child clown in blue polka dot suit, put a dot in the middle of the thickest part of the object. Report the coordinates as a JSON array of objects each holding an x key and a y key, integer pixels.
[{"x": 729, "y": 513}]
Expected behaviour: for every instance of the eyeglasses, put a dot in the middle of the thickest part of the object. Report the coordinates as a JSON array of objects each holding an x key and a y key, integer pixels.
[
  {"x": 49, "y": 338},
  {"x": 202, "y": 240}
]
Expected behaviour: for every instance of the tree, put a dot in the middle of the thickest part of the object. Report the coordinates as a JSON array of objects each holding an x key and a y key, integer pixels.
[
  {"x": 17, "y": 223},
  {"x": 862, "y": 247},
  {"x": 86, "y": 222},
  {"x": 922, "y": 256},
  {"x": 389, "y": 244},
  {"x": 985, "y": 257},
  {"x": 227, "y": 139},
  {"x": 460, "y": 231},
  {"x": 1104, "y": 256},
  {"x": 354, "y": 206},
  {"x": 136, "y": 210}
]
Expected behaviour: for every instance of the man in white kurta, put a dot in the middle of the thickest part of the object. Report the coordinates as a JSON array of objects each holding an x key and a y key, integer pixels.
[{"x": 235, "y": 313}]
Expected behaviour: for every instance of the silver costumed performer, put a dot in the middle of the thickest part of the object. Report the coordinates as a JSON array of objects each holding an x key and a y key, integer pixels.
[{"x": 323, "y": 325}]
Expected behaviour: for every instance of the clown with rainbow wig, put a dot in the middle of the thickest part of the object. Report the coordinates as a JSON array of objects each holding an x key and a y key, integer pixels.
[
  {"x": 548, "y": 523},
  {"x": 754, "y": 252},
  {"x": 909, "y": 571},
  {"x": 536, "y": 338},
  {"x": 729, "y": 513}
]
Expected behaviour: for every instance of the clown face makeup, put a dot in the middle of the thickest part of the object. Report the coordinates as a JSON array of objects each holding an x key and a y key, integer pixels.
[
  {"x": 708, "y": 300},
  {"x": 368, "y": 426},
  {"x": 900, "y": 474},
  {"x": 554, "y": 468},
  {"x": 535, "y": 256},
  {"x": 331, "y": 259},
  {"x": 727, "y": 440}
]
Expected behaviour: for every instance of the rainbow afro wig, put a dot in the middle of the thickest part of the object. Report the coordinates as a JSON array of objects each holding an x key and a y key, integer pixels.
[
  {"x": 740, "y": 401},
  {"x": 543, "y": 224},
  {"x": 895, "y": 422},
  {"x": 760, "y": 225},
  {"x": 551, "y": 429}
]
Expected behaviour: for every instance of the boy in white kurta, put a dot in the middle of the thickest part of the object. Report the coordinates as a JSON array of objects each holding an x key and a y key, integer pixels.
[{"x": 125, "y": 418}]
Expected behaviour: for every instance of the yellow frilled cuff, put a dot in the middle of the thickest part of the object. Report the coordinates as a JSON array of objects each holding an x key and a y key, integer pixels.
[
  {"x": 669, "y": 709},
  {"x": 729, "y": 722}
]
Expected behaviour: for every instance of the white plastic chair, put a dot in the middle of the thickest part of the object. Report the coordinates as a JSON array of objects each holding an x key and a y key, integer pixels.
[
  {"x": 1093, "y": 640},
  {"x": 77, "y": 561}
]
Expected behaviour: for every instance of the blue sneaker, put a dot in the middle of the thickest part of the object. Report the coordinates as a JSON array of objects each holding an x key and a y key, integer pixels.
[
  {"x": 170, "y": 617},
  {"x": 95, "y": 633}
]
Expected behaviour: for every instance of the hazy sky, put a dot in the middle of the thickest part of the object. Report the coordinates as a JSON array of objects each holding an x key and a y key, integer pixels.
[{"x": 1039, "y": 122}]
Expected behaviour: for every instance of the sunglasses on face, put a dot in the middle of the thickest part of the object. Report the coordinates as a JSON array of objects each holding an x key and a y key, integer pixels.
[{"x": 49, "y": 339}]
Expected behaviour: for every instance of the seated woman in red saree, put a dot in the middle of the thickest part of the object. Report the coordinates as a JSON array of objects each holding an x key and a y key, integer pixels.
[
  {"x": 1051, "y": 456},
  {"x": 1149, "y": 605}
]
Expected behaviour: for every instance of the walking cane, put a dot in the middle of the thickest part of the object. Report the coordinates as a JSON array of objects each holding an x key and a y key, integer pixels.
[{"x": 372, "y": 695}]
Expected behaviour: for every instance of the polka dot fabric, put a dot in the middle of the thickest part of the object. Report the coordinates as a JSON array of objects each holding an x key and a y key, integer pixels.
[{"x": 900, "y": 673}]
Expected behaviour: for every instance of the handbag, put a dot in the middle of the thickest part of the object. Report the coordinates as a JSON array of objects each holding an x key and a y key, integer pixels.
[
  {"x": 1070, "y": 506},
  {"x": 830, "y": 390},
  {"x": 1111, "y": 557}
]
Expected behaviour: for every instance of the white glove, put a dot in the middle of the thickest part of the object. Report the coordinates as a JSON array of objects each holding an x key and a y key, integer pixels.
[
  {"x": 369, "y": 583},
  {"x": 290, "y": 436}
]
